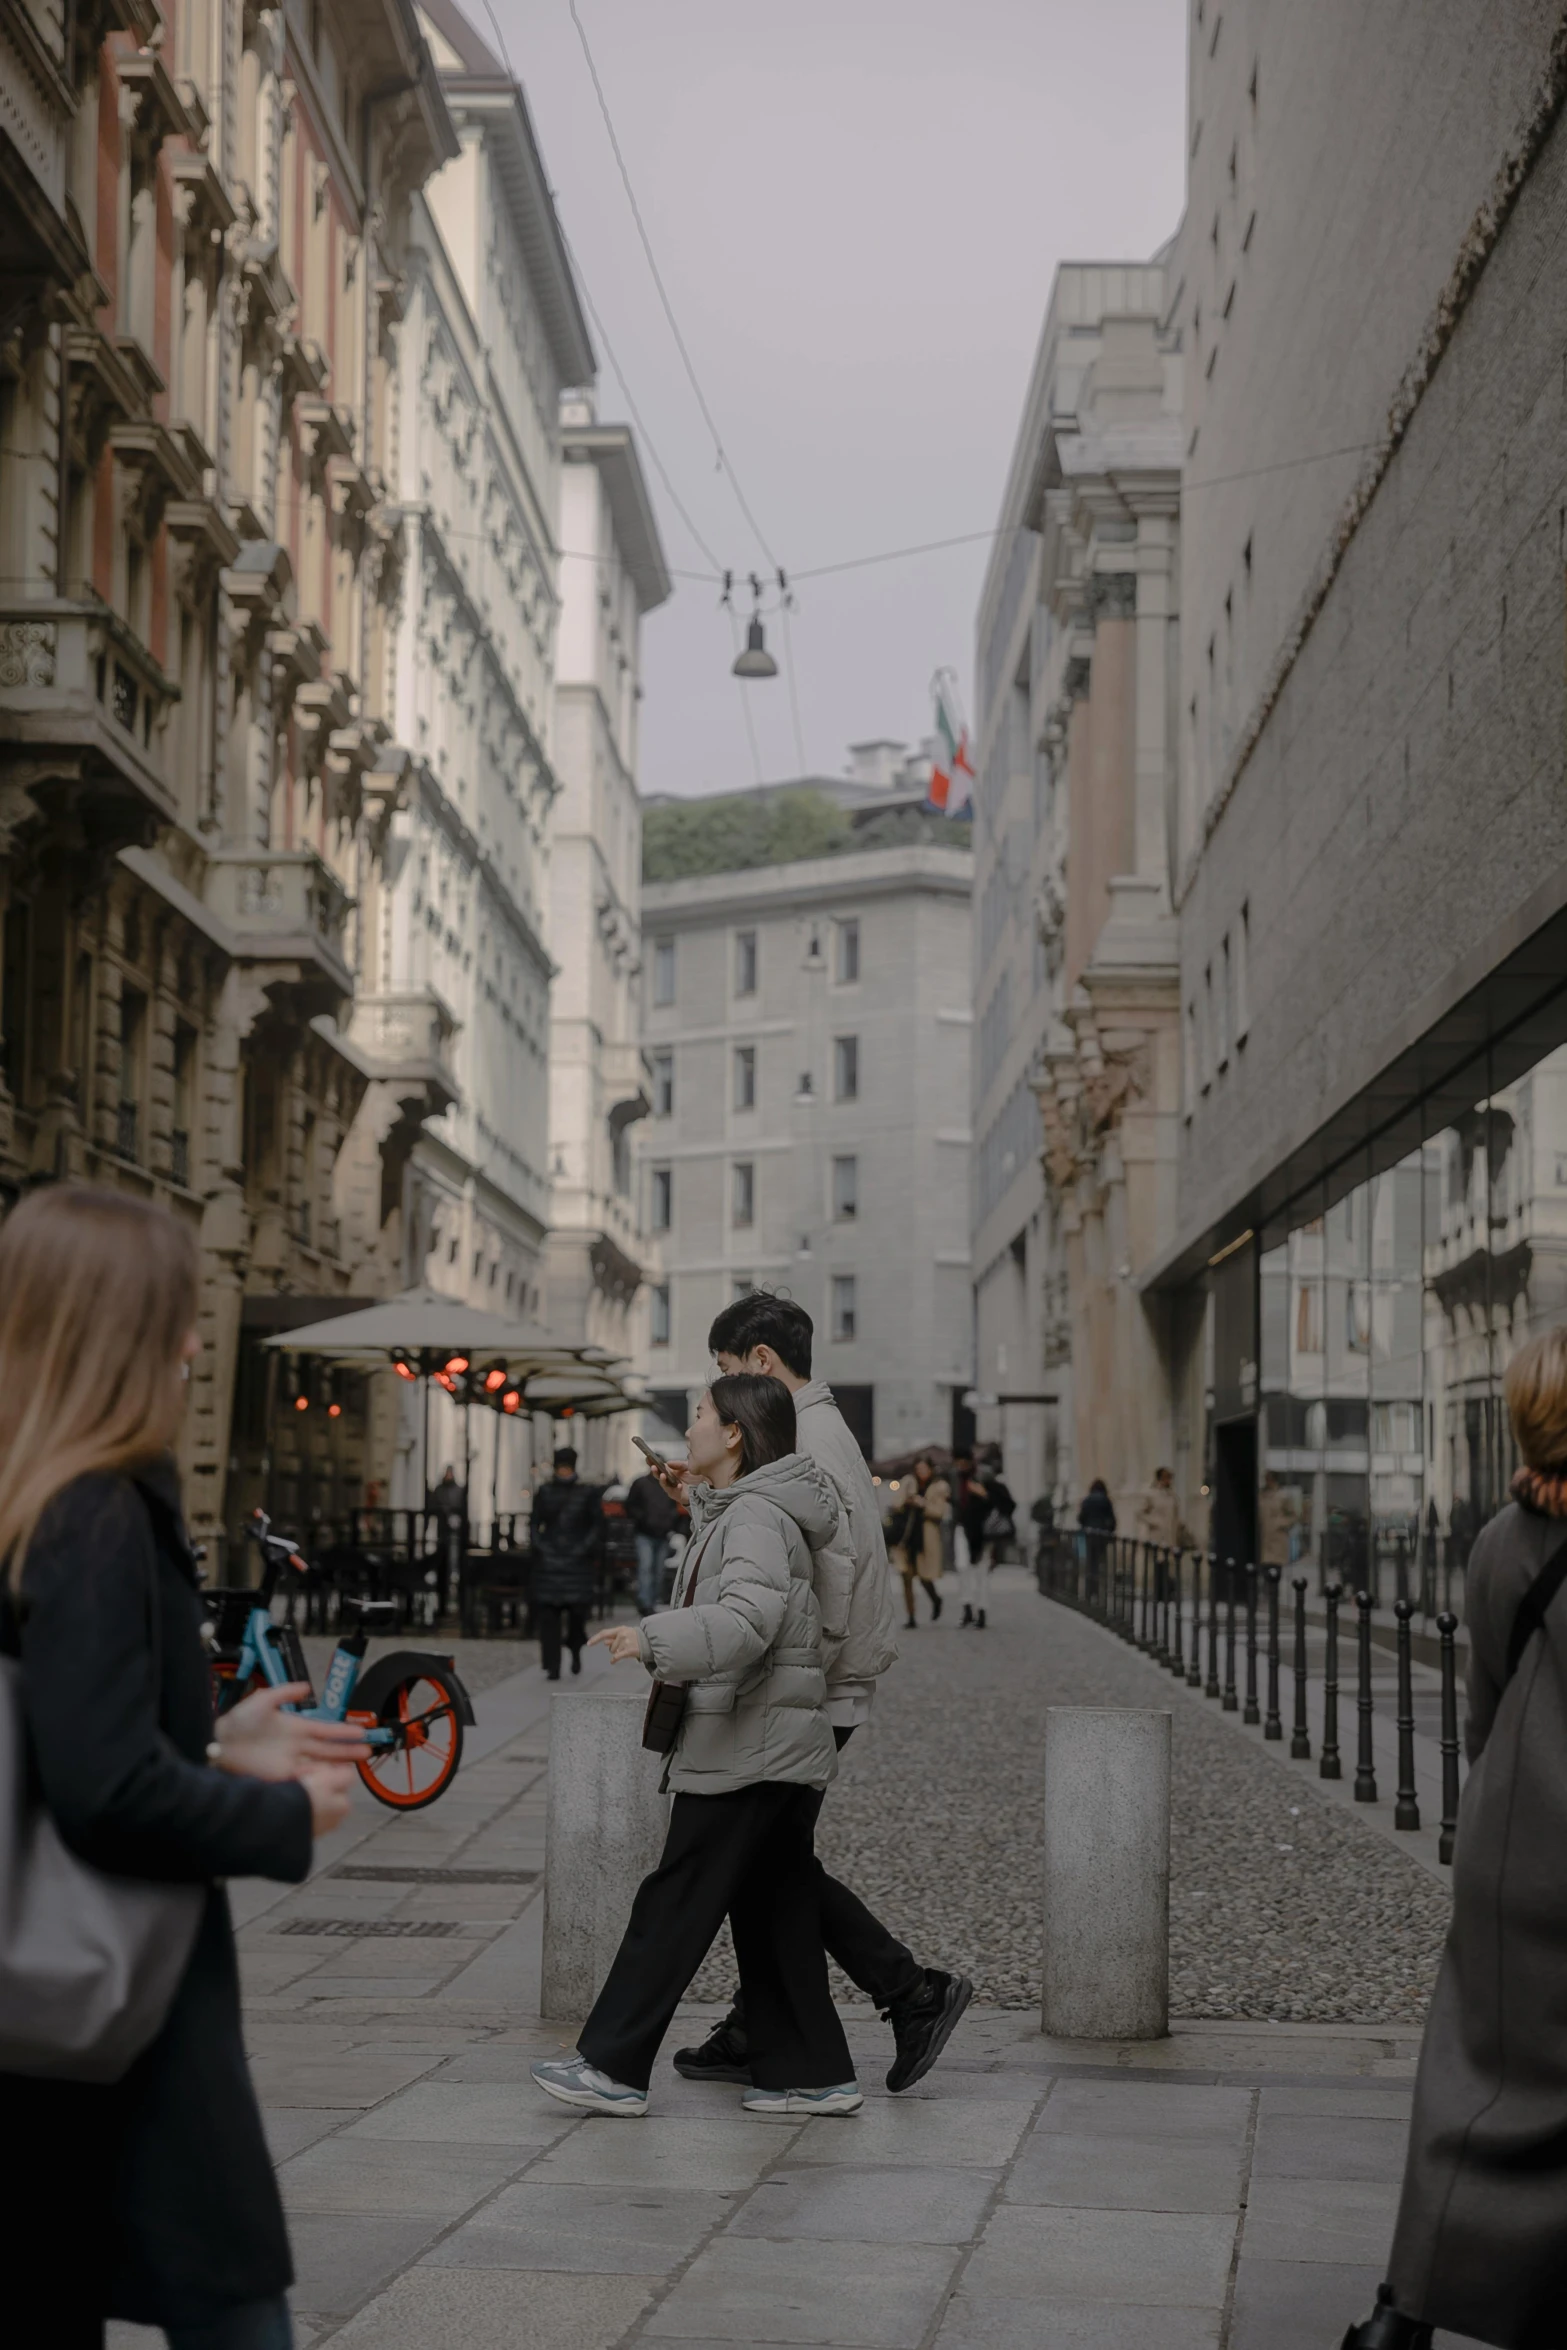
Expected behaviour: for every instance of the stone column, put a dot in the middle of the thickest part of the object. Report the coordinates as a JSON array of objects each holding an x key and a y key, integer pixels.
[
  {"x": 1107, "y": 1874},
  {"x": 604, "y": 1830}
]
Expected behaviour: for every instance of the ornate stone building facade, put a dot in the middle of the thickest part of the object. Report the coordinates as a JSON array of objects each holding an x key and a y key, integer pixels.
[
  {"x": 613, "y": 573},
  {"x": 455, "y": 948},
  {"x": 202, "y": 272},
  {"x": 1077, "y": 1062}
]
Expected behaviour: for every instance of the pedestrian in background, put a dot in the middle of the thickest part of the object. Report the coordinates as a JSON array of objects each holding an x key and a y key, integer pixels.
[
  {"x": 1480, "y": 2247},
  {"x": 970, "y": 1510},
  {"x": 654, "y": 1515},
  {"x": 153, "y": 2198},
  {"x": 772, "y": 1336},
  {"x": 919, "y": 1532},
  {"x": 752, "y": 1752},
  {"x": 1096, "y": 1519},
  {"x": 568, "y": 1550}
]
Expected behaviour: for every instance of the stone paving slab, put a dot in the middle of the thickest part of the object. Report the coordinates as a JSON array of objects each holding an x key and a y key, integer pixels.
[{"x": 1228, "y": 2188}]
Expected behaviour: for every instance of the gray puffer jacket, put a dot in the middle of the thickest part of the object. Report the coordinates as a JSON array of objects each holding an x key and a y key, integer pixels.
[{"x": 749, "y": 1646}]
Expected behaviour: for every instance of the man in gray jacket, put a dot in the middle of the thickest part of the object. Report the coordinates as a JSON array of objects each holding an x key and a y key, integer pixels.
[{"x": 772, "y": 1335}]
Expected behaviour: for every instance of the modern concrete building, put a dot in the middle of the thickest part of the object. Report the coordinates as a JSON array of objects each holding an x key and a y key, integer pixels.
[
  {"x": 1076, "y": 1069},
  {"x": 808, "y": 1032},
  {"x": 613, "y": 572},
  {"x": 1369, "y": 840}
]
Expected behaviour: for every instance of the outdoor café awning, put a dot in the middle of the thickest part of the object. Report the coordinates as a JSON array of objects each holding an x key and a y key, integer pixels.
[{"x": 422, "y": 1322}]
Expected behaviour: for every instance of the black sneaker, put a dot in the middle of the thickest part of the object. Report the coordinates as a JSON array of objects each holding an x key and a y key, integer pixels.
[
  {"x": 1384, "y": 2329},
  {"x": 723, "y": 2056},
  {"x": 923, "y": 2025}
]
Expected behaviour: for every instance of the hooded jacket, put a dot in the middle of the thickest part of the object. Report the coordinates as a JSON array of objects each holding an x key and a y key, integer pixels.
[
  {"x": 869, "y": 1646},
  {"x": 749, "y": 1645}
]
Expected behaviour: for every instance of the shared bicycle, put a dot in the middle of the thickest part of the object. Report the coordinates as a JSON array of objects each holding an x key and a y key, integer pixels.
[{"x": 411, "y": 1704}]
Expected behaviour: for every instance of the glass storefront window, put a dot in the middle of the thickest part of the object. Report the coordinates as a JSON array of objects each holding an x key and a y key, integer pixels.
[{"x": 1388, "y": 1313}]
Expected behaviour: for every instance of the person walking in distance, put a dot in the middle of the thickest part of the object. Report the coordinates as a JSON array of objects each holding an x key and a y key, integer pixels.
[
  {"x": 752, "y": 1751},
  {"x": 151, "y": 2198},
  {"x": 568, "y": 1544},
  {"x": 1096, "y": 1519},
  {"x": 654, "y": 1515},
  {"x": 923, "y": 1502},
  {"x": 1278, "y": 1515},
  {"x": 1480, "y": 2244},
  {"x": 772, "y": 1336},
  {"x": 970, "y": 1509}
]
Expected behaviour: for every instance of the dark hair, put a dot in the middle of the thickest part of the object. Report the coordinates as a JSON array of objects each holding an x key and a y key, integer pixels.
[
  {"x": 762, "y": 1409},
  {"x": 566, "y": 1458},
  {"x": 763, "y": 1320}
]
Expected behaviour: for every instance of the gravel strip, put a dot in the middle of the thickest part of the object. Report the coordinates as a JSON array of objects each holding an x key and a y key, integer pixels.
[{"x": 1280, "y": 1904}]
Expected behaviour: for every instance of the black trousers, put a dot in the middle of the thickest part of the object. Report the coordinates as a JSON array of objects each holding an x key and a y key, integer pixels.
[
  {"x": 875, "y": 1961},
  {"x": 551, "y": 1617},
  {"x": 748, "y": 1855}
]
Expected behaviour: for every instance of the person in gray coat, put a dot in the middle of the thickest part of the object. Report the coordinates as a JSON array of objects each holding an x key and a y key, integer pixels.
[
  {"x": 772, "y": 1336},
  {"x": 744, "y": 1637},
  {"x": 1480, "y": 2246}
]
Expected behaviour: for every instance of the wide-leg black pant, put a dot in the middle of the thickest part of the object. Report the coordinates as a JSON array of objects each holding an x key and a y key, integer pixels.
[
  {"x": 551, "y": 1619},
  {"x": 749, "y": 1855},
  {"x": 874, "y": 1960}
]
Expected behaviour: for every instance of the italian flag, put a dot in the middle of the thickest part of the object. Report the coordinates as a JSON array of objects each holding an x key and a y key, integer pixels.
[{"x": 952, "y": 769}]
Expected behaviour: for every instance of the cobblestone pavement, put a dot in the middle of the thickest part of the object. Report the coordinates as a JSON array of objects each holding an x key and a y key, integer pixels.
[{"x": 1282, "y": 1904}]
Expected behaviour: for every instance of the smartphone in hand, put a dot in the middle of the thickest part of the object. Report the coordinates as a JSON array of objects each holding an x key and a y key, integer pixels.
[{"x": 655, "y": 1460}]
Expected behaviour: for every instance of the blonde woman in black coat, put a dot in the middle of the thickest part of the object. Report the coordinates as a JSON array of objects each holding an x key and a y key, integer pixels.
[
  {"x": 153, "y": 2199},
  {"x": 1480, "y": 2248}
]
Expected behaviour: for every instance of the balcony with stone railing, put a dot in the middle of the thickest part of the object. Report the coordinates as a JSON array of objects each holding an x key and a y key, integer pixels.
[
  {"x": 406, "y": 1038},
  {"x": 83, "y": 701},
  {"x": 285, "y": 907}
]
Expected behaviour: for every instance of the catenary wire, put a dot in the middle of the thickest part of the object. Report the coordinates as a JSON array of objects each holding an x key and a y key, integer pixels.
[{"x": 663, "y": 292}]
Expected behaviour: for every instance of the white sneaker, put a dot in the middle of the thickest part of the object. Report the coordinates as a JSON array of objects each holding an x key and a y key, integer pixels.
[
  {"x": 845, "y": 2098},
  {"x": 576, "y": 2082}
]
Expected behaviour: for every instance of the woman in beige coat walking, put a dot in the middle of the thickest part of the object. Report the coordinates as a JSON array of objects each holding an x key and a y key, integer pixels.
[{"x": 918, "y": 1545}]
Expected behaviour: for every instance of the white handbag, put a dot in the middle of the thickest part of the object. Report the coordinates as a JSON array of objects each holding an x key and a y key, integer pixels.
[{"x": 89, "y": 1963}]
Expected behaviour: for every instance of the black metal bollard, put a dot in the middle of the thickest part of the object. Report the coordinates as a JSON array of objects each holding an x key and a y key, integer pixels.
[
  {"x": 1406, "y": 1805},
  {"x": 1177, "y": 1656},
  {"x": 1330, "y": 1766},
  {"x": 1447, "y": 1625},
  {"x": 1161, "y": 1607},
  {"x": 1365, "y": 1760},
  {"x": 1211, "y": 1685},
  {"x": 1231, "y": 1701},
  {"x": 1300, "y": 1744},
  {"x": 1273, "y": 1726},
  {"x": 1194, "y": 1658},
  {"x": 1145, "y": 1630},
  {"x": 1253, "y": 1712}
]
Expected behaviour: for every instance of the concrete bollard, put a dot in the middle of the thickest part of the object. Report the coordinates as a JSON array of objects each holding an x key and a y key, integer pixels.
[
  {"x": 604, "y": 1830},
  {"x": 1107, "y": 1874}
]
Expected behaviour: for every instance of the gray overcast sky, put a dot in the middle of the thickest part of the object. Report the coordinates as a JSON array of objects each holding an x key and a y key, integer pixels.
[{"x": 857, "y": 206}]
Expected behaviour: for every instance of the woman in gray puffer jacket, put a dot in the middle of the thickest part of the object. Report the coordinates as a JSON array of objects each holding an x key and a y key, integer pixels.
[{"x": 744, "y": 1636}]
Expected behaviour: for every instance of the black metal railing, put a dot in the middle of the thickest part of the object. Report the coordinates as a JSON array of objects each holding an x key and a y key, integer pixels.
[{"x": 1200, "y": 1617}]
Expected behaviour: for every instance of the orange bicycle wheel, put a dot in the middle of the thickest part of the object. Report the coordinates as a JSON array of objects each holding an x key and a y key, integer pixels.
[{"x": 423, "y": 1762}]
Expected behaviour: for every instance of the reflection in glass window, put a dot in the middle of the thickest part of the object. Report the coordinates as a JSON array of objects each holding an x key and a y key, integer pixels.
[
  {"x": 1389, "y": 1311},
  {"x": 745, "y": 1076},
  {"x": 660, "y": 1323},
  {"x": 745, "y": 962}
]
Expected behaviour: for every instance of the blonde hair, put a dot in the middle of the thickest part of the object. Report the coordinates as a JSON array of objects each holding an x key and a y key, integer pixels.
[
  {"x": 1536, "y": 1391},
  {"x": 97, "y": 1297}
]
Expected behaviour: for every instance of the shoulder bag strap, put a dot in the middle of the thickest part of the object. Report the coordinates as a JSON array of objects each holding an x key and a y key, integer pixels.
[{"x": 1535, "y": 1601}]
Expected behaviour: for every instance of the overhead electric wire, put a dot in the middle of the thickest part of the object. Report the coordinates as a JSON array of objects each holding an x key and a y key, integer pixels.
[{"x": 663, "y": 292}]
